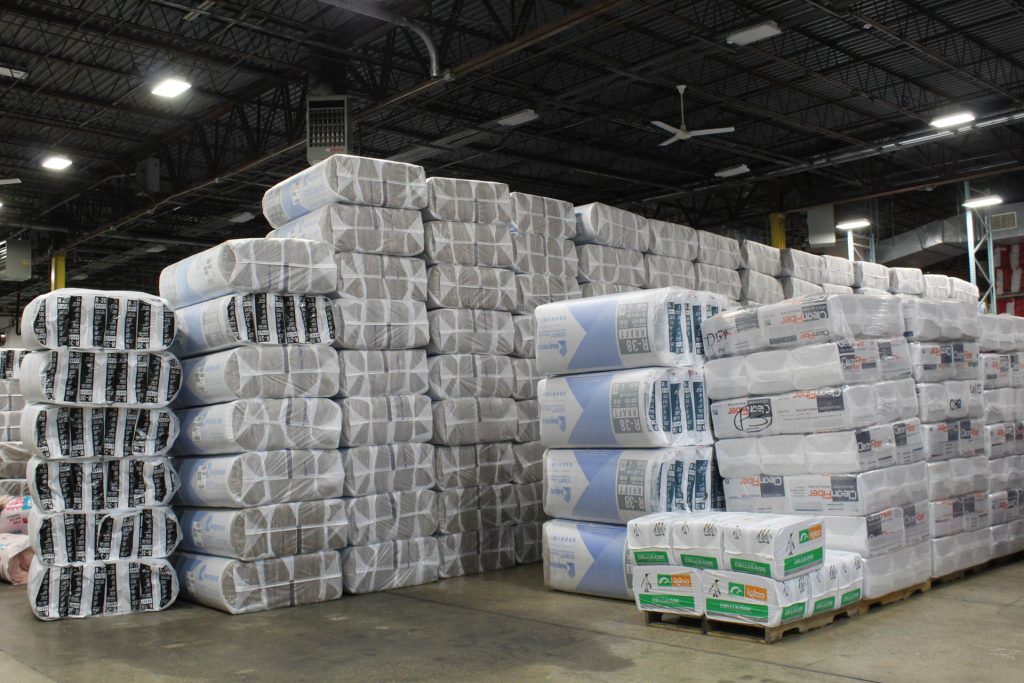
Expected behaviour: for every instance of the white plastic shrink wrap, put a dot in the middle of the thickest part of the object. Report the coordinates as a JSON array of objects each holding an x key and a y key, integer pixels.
[
  {"x": 390, "y": 565},
  {"x": 942, "y": 361},
  {"x": 346, "y": 179},
  {"x": 100, "y": 588},
  {"x": 382, "y": 373},
  {"x": 906, "y": 281},
  {"x": 58, "y": 432},
  {"x": 592, "y": 289},
  {"x": 829, "y": 288},
  {"x": 529, "y": 540},
  {"x": 259, "y": 533},
  {"x": 533, "y": 290},
  {"x": 610, "y": 265},
  {"x": 544, "y": 216},
  {"x": 528, "y": 429},
  {"x": 264, "y": 371},
  {"x": 10, "y": 359},
  {"x": 461, "y": 421},
  {"x": 664, "y": 271},
  {"x": 239, "y": 587},
  {"x": 242, "y": 266},
  {"x": 95, "y": 484},
  {"x": 391, "y": 467},
  {"x": 804, "y": 266},
  {"x": 499, "y": 506},
  {"x": 996, "y": 370},
  {"x": 961, "y": 551},
  {"x": 260, "y": 478},
  {"x": 366, "y": 229},
  {"x": 14, "y": 487},
  {"x": 528, "y": 465},
  {"x": 452, "y": 286},
  {"x": 377, "y": 420},
  {"x": 469, "y": 375},
  {"x": 936, "y": 286},
  {"x": 793, "y": 287},
  {"x": 10, "y": 431},
  {"x": 391, "y": 516},
  {"x": 530, "y": 503},
  {"x": 459, "y": 554},
  {"x": 760, "y": 258},
  {"x": 92, "y": 319},
  {"x": 380, "y": 324},
  {"x": 544, "y": 255},
  {"x": 868, "y": 535},
  {"x": 956, "y": 476},
  {"x": 259, "y": 425},
  {"x": 61, "y": 538},
  {"x": 525, "y": 376},
  {"x": 587, "y": 558},
  {"x": 524, "y": 333},
  {"x": 928, "y": 320},
  {"x": 243, "y": 319},
  {"x": 458, "y": 510},
  {"x": 899, "y": 569},
  {"x": 378, "y": 276},
  {"x": 15, "y": 558},
  {"x": 474, "y": 464},
  {"x": 870, "y": 275},
  {"x": 630, "y": 330},
  {"x": 961, "y": 290},
  {"x": 718, "y": 250},
  {"x": 764, "y": 289},
  {"x": 672, "y": 240},
  {"x": 469, "y": 244},
  {"x": 838, "y": 271},
  {"x": 467, "y": 201},
  {"x": 967, "y": 512},
  {"x": 465, "y": 330},
  {"x": 950, "y": 400},
  {"x": 598, "y": 223}
]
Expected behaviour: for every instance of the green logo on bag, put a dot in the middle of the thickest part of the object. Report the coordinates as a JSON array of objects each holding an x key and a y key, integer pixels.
[
  {"x": 737, "y": 589},
  {"x": 805, "y": 537},
  {"x": 664, "y": 580}
]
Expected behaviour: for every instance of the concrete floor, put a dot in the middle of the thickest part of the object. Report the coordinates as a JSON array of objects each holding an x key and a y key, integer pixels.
[{"x": 505, "y": 626}]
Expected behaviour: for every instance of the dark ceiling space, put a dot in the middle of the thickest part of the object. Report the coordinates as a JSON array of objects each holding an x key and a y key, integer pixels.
[{"x": 835, "y": 109}]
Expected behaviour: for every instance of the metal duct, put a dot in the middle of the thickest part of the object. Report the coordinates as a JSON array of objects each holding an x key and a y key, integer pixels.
[{"x": 941, "y": 240}]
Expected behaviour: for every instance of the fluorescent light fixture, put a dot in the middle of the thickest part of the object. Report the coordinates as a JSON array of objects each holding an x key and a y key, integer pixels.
[
  {"x": 241, "y": 217},
  {"x": 950, "y": 120},
  {"x": 752, "y": 34},
  {"x": 982, "y": 202},
  {"x": 519, "y": 118},
  {"x": 170, "y": 87},
  {"x": 732, "y": 171},
  {"x": 10, "y": 72},
  {"x": 854, "y": 224},
  {"x": 1, "y": 205},
  {"x": 56, "y": 162},
  {"x": 155, "y": 248}
]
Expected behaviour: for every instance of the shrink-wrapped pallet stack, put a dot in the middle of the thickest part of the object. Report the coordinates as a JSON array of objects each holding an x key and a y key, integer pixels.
[
  {"x": 96, "y": 387},
  {"x": 815, "y": 412},
  {"x": 610, "y": 246},
  {"x": 761, "y": 266},
  {"x": 623, "y": 418},
  {"x": 13, "y": 455}
]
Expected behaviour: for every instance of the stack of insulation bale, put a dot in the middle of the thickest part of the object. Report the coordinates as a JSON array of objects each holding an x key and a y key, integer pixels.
[
  {"x": 610, "y": 249},
  {"x": 623, "y": 416},
  {"x": 760, "y": 268},
  {"x": 472, "y": 295},
  {"x": 369, "y": 211},
  {"x": 814, "y": 412},
  {"x": 96, "y": 388},
  {"x": 545, "y": 261},
  {"x": 802, "y": 273},
  {"x": 871, "y": 278},
  {"x": 258, "y": 426},
  {"x": 671, "y": 251},
  {"x": 718, "y": 262},
  {"x": 13, "y": 456}
]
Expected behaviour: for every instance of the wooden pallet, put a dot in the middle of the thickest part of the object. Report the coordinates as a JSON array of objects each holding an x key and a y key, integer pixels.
[
  {"x": 727, "y": 629},
  {"x": 961, "y": 574},
  {"x": 895, "y": 596}
]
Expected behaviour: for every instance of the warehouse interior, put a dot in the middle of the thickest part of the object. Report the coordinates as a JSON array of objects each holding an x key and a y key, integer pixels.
[{"x": 768, "y": 121}]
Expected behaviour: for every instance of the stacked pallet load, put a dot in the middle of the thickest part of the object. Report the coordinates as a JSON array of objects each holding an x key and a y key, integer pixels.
[
  {"x": 761, "y": 266},
  {"x": 802, "y": 273},
  {"x": 718, "y": 262},
  {"x": 871, "y": 278},
  {"x": 96, "y": 387},
  {"x": 258, "y": 425},
  {"x": 610, "y": 246},
  {"x": 814, "y": 412},
  {"x": 623, "y": 418},
  {"x": 1009, "y": 267},
  {"x": 13, "y": 455}
]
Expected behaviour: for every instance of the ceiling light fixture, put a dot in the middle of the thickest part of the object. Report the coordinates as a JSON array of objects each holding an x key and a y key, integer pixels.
[
  {"x": 56, "y": 162},
  {"x": 854, "y": 224},
  {"x": 11, "y": 72},
  {"x": 170, "y": 87},
  {"x": 752, "y": 34},
  {"x": 518, "y": 119},
  {"x": 982, "y": 202},
  {"x": 732, "y": 171},
  {"x": 950, "y": 120},
  {"x": 1, "y": 205},
  {"x": 241, "y": 217}
]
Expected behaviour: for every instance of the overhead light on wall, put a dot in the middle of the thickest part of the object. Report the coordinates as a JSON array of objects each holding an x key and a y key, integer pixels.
[
  {"x": 752, "y": 34},
  {"x": 11, "y": 72},
  {"x": 949, "y": 120},
  {"x": 170, "y": 87},
  {"x": 982, "y": 202},
  {"x": 56, "y": 162},
  {"x": 732, "y": 171},
  {"x": 854, "y": 224},
  {"x": 518, "y": 119}
]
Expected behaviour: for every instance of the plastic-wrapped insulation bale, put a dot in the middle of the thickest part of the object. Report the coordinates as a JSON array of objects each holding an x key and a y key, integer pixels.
[
  {"x": 473, "y": 465},
  {"x": 242, "y": 266},
  {"x": 15, "y": 558},
  {"x": 956, "y": 476},
  {"x": 889, "y": 572},
  {"x": 100, "y": 588},
  {"x": 598, "y": 223},
  {"x": 869, "y": 291},
  {"x": 871, "y": 275},
  {"x": 958, "y": 514},
  {"x": 382, "y": 373},
  {"x": 395, "y": 564},
  {"x": 240, "y": 587},
  {"x": 10, "y": 359},
  {"x": 922, "y": 318},
  {"x": 391, "y": 516},
  {"x": 544, "y": 255},
  {"x": 10, "y": 431},
  {"x": 498, "y": 505},
  {"x": 760, "y": 258},
  {"x": 802, "y": 265},
  {"x": 452, "y": 286},
  {"x": 936, "y": 286},
  {"x": 530, "y": 503},
  {"x": 14, "y": 487},
  {"x": 95, "y": 484},
  {"x": 857, "y": 494},
  {"x": 467, "y": 201},
  {"x": 525, "y": 377},
  {"x": 950, "y": 400},
  {"x": 868, "y": 535},
  {"x": 591, "y": 289},
  {"x": 724, "y": 281},
  {"x": 611, "y": 265},
  {"x": 92, "y": 319},
  {"x": 756, "y": 286},
  {"x": 529, "y": 421},
  {"x": 528, "y": 462},
  {"x": 829, "y": 288},
  {"x": 460, "y": 554},
  {"x": 523, "y": 333},
  {"x": 366, "y": 229},
  {"x": 961, "y": 290},
  {"x": 587, "y": 558},
  {"x": 259, "y": 533},
  {"x": 960, "y": 320},
  {"x": 838, "y": 271},
  {"x": 392, "y": 467},
  {"x": 460, "y": 421},
  {"x": 467, "y": 375},
  {"x": 458, "y": 510},
  {"x": 793, "y": 287},
  {"x": 380, "y": 324},
  {"x": 61, "y": 538},
  {"x": 528, "y": 542},
  {"x": 464, "y": 330},
  {"x": 672, "y": 240},
  {"x": 664, "y": 271},
  {"x": 264, "y": 371},
  {"x": 261, "y": 478},
  {"x": 533, "y": 290},
  {"x": 378, "y": 420},
  {"x": 961, "y": 551},
  {"x": 259, "y": 425},
  {"x": 346, "y": 179},
  {"x": 718, "y": 250},
  {"x": 906, "y": 281},
  {"x": 76, "y": 432},
  {"x": 378, "y": 276},
  {"x": 638, "y": 329},
  {"x": 469, "y": 244},
  {"x": 996, "y": 438},
  {"x": 14, "y": 514},
  {"x": 544, "y": 216}
]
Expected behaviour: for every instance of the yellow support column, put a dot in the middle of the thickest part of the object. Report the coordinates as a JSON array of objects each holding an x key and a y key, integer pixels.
[
  {"x": 778, "y": 225},
  {"x": 57, "y": 271}
]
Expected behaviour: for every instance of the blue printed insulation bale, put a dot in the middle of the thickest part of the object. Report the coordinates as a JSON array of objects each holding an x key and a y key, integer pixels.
[{"x": 587, "y": 558}]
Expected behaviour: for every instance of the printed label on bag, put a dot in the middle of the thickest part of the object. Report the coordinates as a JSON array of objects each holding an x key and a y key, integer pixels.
[{"x": 631, "y": 328}]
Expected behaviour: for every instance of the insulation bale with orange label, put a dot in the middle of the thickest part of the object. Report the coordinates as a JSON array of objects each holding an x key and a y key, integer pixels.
[{"x": 668, "y": 589}]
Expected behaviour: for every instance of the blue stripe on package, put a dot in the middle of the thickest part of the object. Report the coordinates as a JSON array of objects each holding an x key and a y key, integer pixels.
[{"x": 580, "y": 557}]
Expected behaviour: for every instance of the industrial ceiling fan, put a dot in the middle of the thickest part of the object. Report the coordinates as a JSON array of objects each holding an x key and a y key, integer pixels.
[
  {"x": 681, "y": 133},
  {"x": 9, "y": 181}
]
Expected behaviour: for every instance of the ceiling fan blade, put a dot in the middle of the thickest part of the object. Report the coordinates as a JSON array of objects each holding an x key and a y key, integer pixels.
[
  {"x": 674, "y": 138},
  {"x": 712, "y": 131},
  {"x": 9, "y": 181},
  {"x": 664, "y": 126}
]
